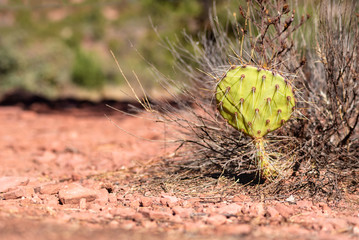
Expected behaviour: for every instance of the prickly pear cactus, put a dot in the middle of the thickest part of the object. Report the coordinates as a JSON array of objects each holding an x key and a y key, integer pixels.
[{"x": 255, "y": 101}]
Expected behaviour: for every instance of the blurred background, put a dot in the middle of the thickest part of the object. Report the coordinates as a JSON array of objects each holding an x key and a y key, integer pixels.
[{"x": 61, "y": 48}]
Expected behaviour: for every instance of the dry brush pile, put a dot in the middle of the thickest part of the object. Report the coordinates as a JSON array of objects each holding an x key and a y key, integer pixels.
[{"x": 315, "y": 148}]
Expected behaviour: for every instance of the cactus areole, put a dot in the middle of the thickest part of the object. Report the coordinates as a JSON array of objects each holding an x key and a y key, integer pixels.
[{"x": 255, "y": 101}]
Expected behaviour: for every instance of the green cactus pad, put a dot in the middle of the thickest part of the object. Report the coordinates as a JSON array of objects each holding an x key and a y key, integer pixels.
[{"x": 255, "y": 101}]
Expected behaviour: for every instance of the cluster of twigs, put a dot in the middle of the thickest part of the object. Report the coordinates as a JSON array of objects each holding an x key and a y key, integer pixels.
[
  {"x": 319, "y": 143},
  {"x": 330, "y": 83}
]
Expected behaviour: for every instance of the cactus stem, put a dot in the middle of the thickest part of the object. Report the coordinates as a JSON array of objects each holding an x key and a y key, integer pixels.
[{"x": 263, "y": 160}]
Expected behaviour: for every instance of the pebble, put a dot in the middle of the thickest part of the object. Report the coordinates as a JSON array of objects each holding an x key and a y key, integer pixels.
[
  {"x": 123, "y": 212},
  {"x": 231, "y": 209},
  {"x": 146, "y": 201},
  {"x": 159, "y": 215},
  {"x": 169, "y": 201},
  {"x": 20, "y": 192},
  {"x": 102, "y": 196},
  {"x": 49, "y": 188},
  {"x": 216, "y": 220},
  {"x": 8, "y": 183},
  {"x": 182, "y": 212},
  {"x": 72, "y": 193}
]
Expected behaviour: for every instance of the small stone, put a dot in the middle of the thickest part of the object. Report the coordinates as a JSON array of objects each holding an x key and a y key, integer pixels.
[
  {"x": 149, "y": 224},
  {"x": 134, "y": 203},
  {"x": 283, "y": 210},
  {"x": 159, "y": 215},
  {"x": 216, "y": 220},
  {"x": 182, "y": 212},
  {"x": 124, "y": 212},
  {"x": 325, "y": 208},
  {"x": 257, "y": 210},
  {"x": 50, "y": 200},
  {"x": 52, "y": 188},
  {"x": 102, "y": 196},
  {"x": 273, "y": 213},
  {"x": 21, "y": 191},
  {"x": 146, "y": 201},
  {"x": 291, "y": 198},
  {"x": 72, "y": 193},
  {"x": 169, "y": 201},
  {"x": 8, "y": 183},
  {"x": 231, "y": 209}
]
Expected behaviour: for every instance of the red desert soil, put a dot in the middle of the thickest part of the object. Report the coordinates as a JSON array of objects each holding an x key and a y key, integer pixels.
[{"x": 71, "y": 174}]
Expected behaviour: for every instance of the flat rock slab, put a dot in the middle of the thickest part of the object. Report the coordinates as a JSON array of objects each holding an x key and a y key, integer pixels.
[
  {"x": 9, "y": 183},
  {"x": 73, "y": 193}
]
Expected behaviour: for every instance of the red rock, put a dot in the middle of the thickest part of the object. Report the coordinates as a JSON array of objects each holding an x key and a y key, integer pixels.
[
  {"x": 159, "y": 215},
  {"x": 124, "y": 212},
  {"x": 149, "y": 224},
  {"x": 284, "y": 210},
  {"x": 145, "y": 211},
  {"x": 231, "y": 209},
  {"x": 21, "y": 191},
  {"x": 51, "y": 188},
  {"x": 216, "y": 220},
  {"x": 50, "y": 200},
  {"x": 169, "y": 201},
  {"x": 325, "y": 208},
  {"x": 102, "y": 196},
  {"x": 182, "y": 212},
  {"x": 146, "y": 201},
  {"x": 134, "y": 203},
  {"x": 273, "y": 213},
  {"x": 257, "y": 210},
  {"x": 8, "y": 183},
  {"x": 72, "y": 193}
]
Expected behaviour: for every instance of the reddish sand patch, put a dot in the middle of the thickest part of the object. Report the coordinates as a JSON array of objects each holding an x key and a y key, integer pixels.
[{"x": 73, "y": 175}]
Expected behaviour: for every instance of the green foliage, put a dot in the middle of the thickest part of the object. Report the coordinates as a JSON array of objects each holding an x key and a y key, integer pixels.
[
  {"x": 86, "y": 71},
  {"x": 8, "y": 62}
]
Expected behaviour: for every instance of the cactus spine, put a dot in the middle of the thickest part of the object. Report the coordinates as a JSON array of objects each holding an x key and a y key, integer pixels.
[{"x": 255, "y": 101}]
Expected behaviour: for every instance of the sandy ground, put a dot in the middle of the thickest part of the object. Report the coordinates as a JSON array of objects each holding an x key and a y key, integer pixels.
[{"x": 72, "y": 174}]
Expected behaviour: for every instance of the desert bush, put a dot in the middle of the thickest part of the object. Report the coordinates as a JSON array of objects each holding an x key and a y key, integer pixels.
[
  {"x": 317, "y": 148},
  {"x": 86, "y": 71}
]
